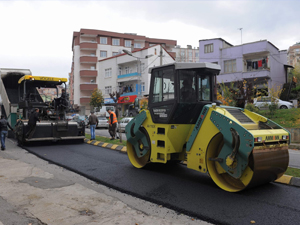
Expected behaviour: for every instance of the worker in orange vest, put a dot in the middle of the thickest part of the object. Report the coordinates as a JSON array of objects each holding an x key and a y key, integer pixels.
[{"x": 112, "y": 124}]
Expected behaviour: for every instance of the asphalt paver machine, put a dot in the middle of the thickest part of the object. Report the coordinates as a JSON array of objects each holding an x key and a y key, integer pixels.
[
  {"x": 52, "y": 112},
  {"x": 237, "y": 148}
]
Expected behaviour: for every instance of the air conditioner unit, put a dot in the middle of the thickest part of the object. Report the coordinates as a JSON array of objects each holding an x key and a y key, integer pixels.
[{"x": 92, "y": 81}]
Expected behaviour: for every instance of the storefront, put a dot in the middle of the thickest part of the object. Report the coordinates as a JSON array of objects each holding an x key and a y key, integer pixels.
[{"x": 125, "y": 101}]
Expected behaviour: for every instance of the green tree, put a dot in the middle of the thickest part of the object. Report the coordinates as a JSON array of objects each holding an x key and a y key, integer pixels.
[
  {"x": 296, "y": 73},
  {"x": 96, "y": 99}
]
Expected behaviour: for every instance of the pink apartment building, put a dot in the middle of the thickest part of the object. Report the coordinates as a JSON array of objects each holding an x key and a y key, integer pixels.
[{"x": 89, "y": 46}]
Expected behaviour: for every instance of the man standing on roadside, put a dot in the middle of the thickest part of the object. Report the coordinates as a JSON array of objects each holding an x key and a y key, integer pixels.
[
  {"x": 33, "y": 118},
  {"x": 3, "y": 131},
  {"x": 112, "y": 124},
  {"x": 93, "y": 122}
]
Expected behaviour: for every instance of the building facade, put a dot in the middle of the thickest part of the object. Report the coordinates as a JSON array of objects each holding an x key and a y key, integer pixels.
[
  {"x": 260, "y": 63},
  {"x": 129, "y": 75},
  {"x": 293, "y": 54},
  {"x": 188, "y": 54},
  {"x": 89, "y": 46}
]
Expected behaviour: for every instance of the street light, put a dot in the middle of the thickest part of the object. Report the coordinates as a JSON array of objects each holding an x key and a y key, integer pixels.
[{"x": 139, "y": 69}]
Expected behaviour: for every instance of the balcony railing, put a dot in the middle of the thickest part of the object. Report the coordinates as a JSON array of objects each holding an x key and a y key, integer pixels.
[
  {"x": 88, "y": 87},
  {"x": 88, "y": 45},
  {"x": 88, "y": 59},
  {"x": 85, "y": 99},
  {"x": 128, "y": 75},
  {"x": 88, "y": 73}
]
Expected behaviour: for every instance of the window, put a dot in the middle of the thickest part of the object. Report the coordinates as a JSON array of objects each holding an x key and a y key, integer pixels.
[
  {"x": 103, "y": 53},
  {"x": 107, "y": 73},
  {"x": 127, "y": 43},
  {"x": 230, "y": 66},
  {"x": 108, "y": 90},
  {"x": 143, "y": 86},
  {"x": 208, "y": 48},
  {"x": 163, "y": 88},
  {"x": 115, "y": 53},
  {"x": 126, "y": 69},
  {"x": 190, "y": 54},
  {"x": 204, "y": 88},
  {"x": 142, "y": 67},
  {"x": 92, "y": 68},
  {"x": 151, "y": 45},
  {"x": 115, "y": 41},
  {"x": 137, "y": 45},
  {"x": 92, "y": 54},
  {"x": 120, "y": 70},
  {"x": 187, "y": 86},
  {"x": 182, "y": 53},
  {"x": 103, "y": 40}
]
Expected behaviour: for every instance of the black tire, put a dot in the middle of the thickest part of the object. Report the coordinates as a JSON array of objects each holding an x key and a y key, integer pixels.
[{"x": 283, "y": 107}]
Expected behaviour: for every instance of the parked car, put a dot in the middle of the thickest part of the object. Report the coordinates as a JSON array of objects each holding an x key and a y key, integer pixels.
[
  {"x": 102, "y": 122},
  {"x": 264, "y": 102},
  {"x": 68, "y": 118},
  {"x": 123, "y": 123},
  {"x": 80, "y": 118}
]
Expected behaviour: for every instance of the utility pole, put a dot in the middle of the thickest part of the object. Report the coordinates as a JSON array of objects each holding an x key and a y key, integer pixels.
[
  {"x": 241, "y": 34},
  {"x": 161, "y": 55}
]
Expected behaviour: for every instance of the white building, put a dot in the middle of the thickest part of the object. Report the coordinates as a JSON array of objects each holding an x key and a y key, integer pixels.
[
  {"x": 188, "y": 54},
  {"x": 129, "y": 74}
]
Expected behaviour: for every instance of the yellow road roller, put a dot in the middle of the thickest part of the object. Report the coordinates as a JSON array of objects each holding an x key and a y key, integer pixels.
[{"x": 237, "y": 148}]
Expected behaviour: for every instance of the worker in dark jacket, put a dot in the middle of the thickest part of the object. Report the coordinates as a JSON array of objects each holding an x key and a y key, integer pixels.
[
  {"x": 93, "y": 122},
  {"x": 34, "y": 117},
  {"x": 3, "y": 130}
]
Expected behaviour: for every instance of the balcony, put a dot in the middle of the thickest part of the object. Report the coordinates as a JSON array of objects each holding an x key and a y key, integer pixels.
[
  {"x": 88, "y": 46},
  {"x": 88, "y": 59},
  {"x": 88, "y": 73},
  {"x": 85, "y": 99},
  {"x": 134, "y": 91},
  {"x": 88, "y": 87},
  {"x": 128, "y": 76}
]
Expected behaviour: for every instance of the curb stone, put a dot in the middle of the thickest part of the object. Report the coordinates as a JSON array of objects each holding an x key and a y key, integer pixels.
[
  {"x": 285, "y": 179},
  {"x": 115, "y": 147}
]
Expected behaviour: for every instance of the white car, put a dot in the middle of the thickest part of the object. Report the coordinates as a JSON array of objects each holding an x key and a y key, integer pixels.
[
  {"x": 102, "y": 122},
  {"x": 264, "y": 102},
  {"x": 123, "y": 123}
]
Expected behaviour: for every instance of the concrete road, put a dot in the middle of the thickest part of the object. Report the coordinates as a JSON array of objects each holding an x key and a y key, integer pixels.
[
  {"x": 178, "y": 187},
  {"x": 33, "y": 191}
]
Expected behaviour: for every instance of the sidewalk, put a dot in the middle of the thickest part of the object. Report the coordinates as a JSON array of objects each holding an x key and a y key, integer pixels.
[{"x": 32, "y": 191}]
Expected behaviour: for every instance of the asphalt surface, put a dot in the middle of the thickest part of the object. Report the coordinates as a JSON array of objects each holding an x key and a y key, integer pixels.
[{"x": 178, "y": 188}]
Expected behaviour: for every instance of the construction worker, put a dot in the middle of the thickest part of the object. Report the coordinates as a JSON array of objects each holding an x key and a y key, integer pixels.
[
  {"x": 112, "y": 124},
  {"x": 33, "y": 118},
  {"x": 3, "y": 131}
]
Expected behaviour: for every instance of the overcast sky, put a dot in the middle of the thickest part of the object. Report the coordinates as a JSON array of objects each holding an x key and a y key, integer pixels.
[{"x": 38, "y": 34}]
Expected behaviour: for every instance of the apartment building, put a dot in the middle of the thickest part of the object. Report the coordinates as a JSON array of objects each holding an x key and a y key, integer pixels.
[
  {"x": 188, "y": 54},
  {"x": 89, "y": 46},
  {"x": 293, "y": 54},
  {"x": 129, "y": 75},
  {"x": 260, "y": 62}
]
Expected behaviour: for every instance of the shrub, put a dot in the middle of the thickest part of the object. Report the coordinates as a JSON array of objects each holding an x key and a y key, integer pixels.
[{"x": 251, "y": 107}]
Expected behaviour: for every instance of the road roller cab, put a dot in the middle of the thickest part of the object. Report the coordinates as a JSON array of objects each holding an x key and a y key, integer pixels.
[{"x": 236, "y": 147}]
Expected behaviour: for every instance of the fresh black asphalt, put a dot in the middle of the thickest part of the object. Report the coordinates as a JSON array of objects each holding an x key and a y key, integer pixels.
[{"x": 176, "y": 187}]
